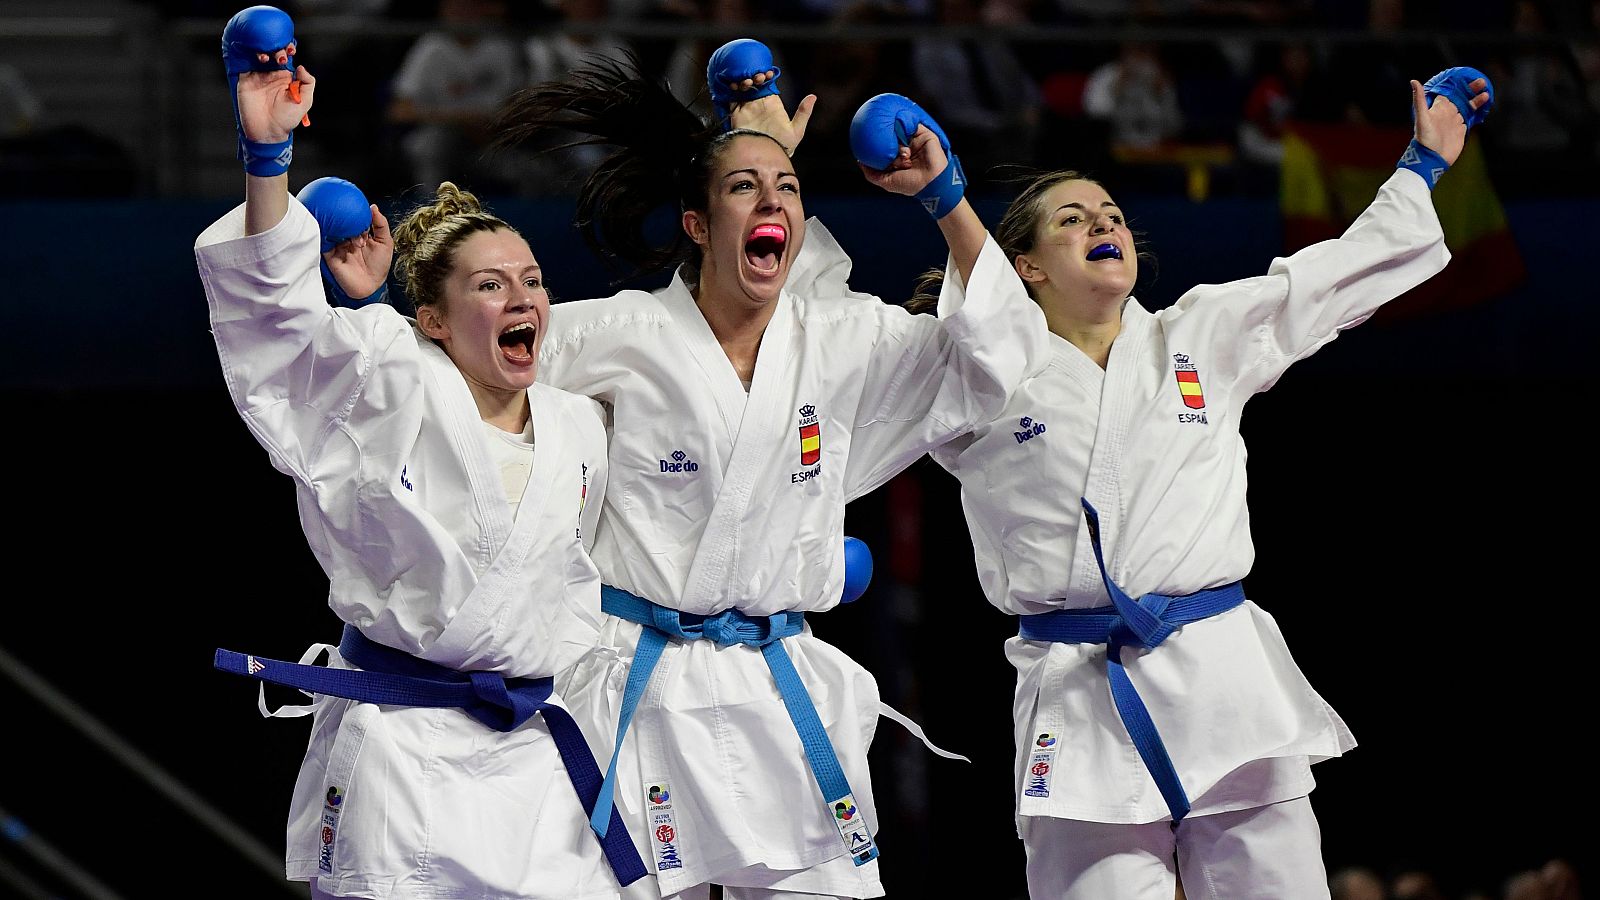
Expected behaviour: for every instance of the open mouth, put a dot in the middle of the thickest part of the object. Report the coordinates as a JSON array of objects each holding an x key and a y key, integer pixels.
[
  {"x": 764, "y": 247},
  {"x": 1104, "y": 251},
  {"x": 516, "y": 343}
]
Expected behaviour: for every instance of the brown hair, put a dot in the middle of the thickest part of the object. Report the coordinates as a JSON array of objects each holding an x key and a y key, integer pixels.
[
  {"x": 1015, "y": 234},
  {"x": 663, "y": 155},
  {"x": 426, "y": 240}
]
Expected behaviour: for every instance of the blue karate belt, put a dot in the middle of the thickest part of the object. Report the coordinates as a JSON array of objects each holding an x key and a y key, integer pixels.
[
  {"x": 725, "y": 628},
  {"x": 393, "y": 677},
  {"x": 1144, "y": 622}
]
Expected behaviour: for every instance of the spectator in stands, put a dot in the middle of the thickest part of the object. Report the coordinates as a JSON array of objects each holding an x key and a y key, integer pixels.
[
  {"x": 1548, "y": 112},
  {"x": 1356, "y": 883},
  {"x": 1372, "y": 72},
  {"x": 448, "y": 89},
  {"x": 552, "y": 57},
  {"x": 1135, "y": 93},
  {"x": 1561, "y": 877},
  {"x": 1415, "y": 884},
  {"x": 1289, "y": 89},
  {"x": 19, "y": 106},
  {"x": 977, "y": 88},
  {"x": 1529, "y": 885},
  {"x": 845, "y": 73}
]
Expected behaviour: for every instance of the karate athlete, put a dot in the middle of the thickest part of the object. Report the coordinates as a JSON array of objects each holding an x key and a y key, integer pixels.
[
  {"x": 1195, "y": 759},
  {"x": 447, "y": 496},
  {"x": 743, "y": 416}
]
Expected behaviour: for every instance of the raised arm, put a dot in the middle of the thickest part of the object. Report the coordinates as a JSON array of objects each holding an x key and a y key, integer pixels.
[
  {"x": 904, "y": 151},
  {"x": 271, "y": 97},
  {"x": 293, "y": 365},
  {"x": 1307, "y": 299}
]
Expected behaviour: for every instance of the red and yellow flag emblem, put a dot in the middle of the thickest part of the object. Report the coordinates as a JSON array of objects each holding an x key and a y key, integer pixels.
[
  {"x": 1189, "y": 386},
  {"x": 810, "y": 443}
]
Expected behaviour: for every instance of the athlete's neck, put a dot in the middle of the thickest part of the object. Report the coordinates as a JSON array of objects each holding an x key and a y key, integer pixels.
[
  {"x": 1091, "y": 325},
  {"x": 738, "y": 324},
  {"x": 505, "y": 410}
]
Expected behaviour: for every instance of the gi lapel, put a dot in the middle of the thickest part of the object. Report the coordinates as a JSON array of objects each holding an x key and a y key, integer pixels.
[
  {"x": 716, "y": 371},
  {"x": 1117, "y": 406},
  {"x": 762, "y": 428}
]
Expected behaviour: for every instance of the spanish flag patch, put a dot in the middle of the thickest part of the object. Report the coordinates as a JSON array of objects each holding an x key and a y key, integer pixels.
[
  {"x": 810, "y": 443},
  {"x": 1189, "y": 386}
]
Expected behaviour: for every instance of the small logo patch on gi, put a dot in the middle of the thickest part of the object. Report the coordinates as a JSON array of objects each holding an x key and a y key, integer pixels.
[
  {"x": 663, "y": 829},
  {"x": 253, "y": 664},
  {"x": 810, "y": 436},
  {"x": 329, "y": 832},
  {"x": 1028, "y": 428},
  {"x": 853, "y": 829},
  {"x": 1188, "y": 381},
  {"x": 1041, "y": 762},
  {"x": 680, "y": 462},
  {"x": 405, "y": 480}
]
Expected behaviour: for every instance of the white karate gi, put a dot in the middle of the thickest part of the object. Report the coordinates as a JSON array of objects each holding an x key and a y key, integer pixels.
[
  {"x": 1167, "y": 477},
  {"x": 403, "y": 505},
  {"x": 713, "y": 505}
]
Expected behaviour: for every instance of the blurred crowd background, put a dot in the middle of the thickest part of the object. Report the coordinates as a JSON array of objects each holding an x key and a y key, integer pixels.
[
  {"x": 1194, "y": 94},
  {"x": 1421, "y": 488}
]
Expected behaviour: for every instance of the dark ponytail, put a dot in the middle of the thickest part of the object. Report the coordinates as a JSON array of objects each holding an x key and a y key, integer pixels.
[{"x": 664, "y": 153}]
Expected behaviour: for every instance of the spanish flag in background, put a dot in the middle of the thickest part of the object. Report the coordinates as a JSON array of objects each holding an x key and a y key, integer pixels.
[{"x": 1332, "y": 172}]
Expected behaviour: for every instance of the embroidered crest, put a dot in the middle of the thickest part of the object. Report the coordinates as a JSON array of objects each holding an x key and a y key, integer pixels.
[
  {"x": 810, "y": 436},
  {"x": 1188, "y": 381}
]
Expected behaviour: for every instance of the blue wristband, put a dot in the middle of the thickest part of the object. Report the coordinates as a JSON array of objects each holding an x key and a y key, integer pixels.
[
  {"x": 266, "y": 160},
  {"x": 944, "y": 192},
  {"x": 1424, "y": 162}
]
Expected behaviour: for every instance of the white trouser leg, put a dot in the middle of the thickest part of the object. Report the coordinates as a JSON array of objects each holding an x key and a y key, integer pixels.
[
  {"x": 1271, "y": 852},
  {"x": 1072, "y": 860}
]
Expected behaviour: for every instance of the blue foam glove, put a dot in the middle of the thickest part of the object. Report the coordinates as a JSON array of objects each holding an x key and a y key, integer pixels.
[
  {"x": 857, "y": 569},
  {"x": 886, "y": 123},
  {"x": 342, "y": 212},
  {"x": 250, "y": 33},
  {"x": 734, "y": 62},
  {"x": 1453, "y": 84}
]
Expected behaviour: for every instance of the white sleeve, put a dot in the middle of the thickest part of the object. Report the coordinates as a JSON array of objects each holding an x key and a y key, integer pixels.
[
  {"x": 294, "y": 367},
  {"x": 1306, "y": 299},
  {"x": 931, "y": 380}
]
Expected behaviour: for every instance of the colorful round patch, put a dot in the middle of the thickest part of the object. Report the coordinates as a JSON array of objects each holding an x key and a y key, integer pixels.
[
  {"x": 845, "y": 811},
  {"x": 334, "y": 796},
  {"x": 658, "y": 794},
  {"x": 327, "y": 834},
  {"x": 1046, "y": 740}
]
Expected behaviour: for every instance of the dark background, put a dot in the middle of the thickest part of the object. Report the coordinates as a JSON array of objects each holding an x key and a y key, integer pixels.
[{"x": 1420, "y": 493}]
